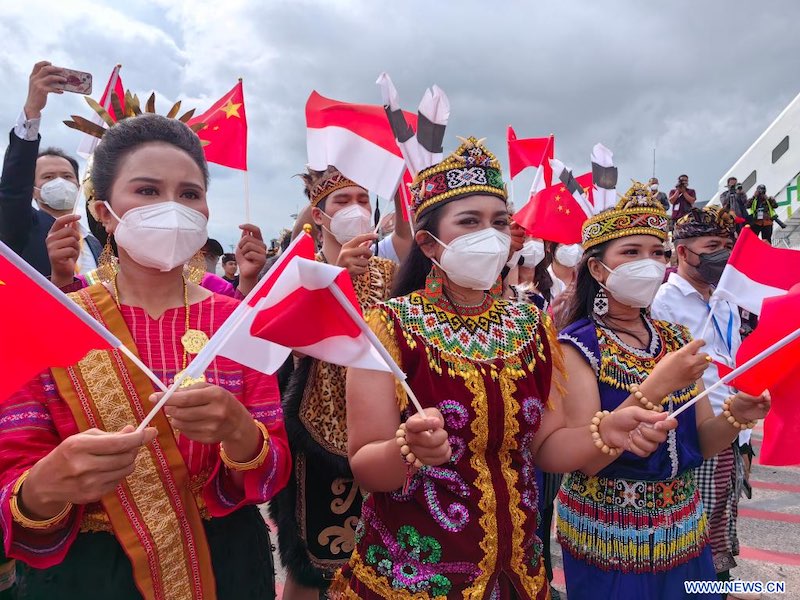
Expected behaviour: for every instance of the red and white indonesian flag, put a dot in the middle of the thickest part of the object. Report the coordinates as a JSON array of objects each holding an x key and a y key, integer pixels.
[
  {"x": 232, "y": 340},
  {"x": 88, "y": 142},
  {"x": 756, "y": 271},
  {"x": 356, "y": 139},
  {"x": 302, "y": 313}
]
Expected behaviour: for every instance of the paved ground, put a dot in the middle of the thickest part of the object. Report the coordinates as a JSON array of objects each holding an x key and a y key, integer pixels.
[{"x": 769, "y": 531}]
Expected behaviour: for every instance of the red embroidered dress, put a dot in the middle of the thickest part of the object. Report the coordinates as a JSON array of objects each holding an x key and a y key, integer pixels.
[
  {"x": 36, "y": 419},
  {"x": 465, "y": 529}
]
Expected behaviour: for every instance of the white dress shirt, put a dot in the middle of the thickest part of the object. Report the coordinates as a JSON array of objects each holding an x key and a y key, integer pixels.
[{"x": 677, "y": 301}]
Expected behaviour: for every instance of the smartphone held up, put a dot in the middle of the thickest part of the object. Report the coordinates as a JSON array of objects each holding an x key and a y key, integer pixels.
[{"x": 78, "y": 82}]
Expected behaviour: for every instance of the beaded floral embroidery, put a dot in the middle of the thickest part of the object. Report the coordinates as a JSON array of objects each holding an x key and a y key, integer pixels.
[
  {"x": 455, "y": 516},
  {"x": 412, "y": 561}
]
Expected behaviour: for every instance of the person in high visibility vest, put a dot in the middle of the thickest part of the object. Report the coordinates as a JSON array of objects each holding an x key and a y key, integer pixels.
[{"x": 762, "y": 210}]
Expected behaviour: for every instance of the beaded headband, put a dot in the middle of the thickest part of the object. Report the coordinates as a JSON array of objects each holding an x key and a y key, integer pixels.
[
  {"x": 700, "y": 222},
  {"x": 336, "y": 181},
  {"x": 637, "y": 213},
  {"x": 471, "y": 169}
]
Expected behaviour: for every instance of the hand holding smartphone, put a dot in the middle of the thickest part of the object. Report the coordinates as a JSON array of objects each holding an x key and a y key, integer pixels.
[{"x": 78, "y": 82}]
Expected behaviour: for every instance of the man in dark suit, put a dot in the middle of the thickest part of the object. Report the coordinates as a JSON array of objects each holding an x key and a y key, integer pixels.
[{"x": 49, "y": 177}]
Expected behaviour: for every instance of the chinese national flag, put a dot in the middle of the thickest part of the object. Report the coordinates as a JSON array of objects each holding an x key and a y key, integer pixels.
[
  {"x": 41, "y": 327},
  {"x": 553, "y": 215},
  {"x": 225, "y": 133}
]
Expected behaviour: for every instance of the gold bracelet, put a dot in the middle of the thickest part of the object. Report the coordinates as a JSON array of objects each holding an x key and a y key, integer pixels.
[
  {"x": 250, "y": 464},
  {"x": 637, "y": 393},
  {"x": 594, "y": 427},
  {"x": 726, "y": 412},
  {"x": 26, "y": 522}
]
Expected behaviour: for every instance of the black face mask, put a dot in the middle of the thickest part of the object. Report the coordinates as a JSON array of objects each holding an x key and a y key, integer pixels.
[{"x": 712, "y": 264}]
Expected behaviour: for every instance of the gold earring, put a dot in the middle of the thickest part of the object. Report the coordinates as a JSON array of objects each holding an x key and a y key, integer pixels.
[
  {"x": 107, "y": 263},
  {"x": 196, "y": 267}
]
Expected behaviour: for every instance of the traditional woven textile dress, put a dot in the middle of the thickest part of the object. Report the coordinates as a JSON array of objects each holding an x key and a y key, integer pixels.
[
  {"x": 179, "y": 527},
  {"x": 466, "y": 529},
  {"x": 637, "y": 530},
  {"x": 318, "y": 511}
]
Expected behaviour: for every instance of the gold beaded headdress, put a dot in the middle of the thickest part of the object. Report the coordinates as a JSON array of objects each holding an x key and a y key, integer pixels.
[
  {"x": 471, "y": 169},
  {"x": 637, "y": 213},
  {"x": 321, "y": 184}
]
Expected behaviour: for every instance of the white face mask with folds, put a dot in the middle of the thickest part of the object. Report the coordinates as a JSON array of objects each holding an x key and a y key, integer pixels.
[
  {"x": 570, "y": 255},
  {"x": 349, "y": 222},
  {"x": 161, "y": 236},
  {"x": 635, "y": 283},
  {"x": 59, "y": 194},
  {"x": 475, "y": 260}
]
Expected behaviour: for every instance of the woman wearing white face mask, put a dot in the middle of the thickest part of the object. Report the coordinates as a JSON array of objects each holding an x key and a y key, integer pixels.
[
  {"x": 564, "y": 261},
  {"x": 452, "y": 511},
  {"x": 524, "y": 279},
  {"x": 81, "y": 489},
  {"x": 632, "y": 524}
]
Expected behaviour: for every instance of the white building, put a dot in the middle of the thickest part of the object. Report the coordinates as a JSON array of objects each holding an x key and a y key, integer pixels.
[{"x": 774, "y": 161}]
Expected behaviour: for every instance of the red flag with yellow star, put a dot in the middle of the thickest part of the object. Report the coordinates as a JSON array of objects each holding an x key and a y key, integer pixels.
[
  {"x": 40, "y": 326},
  {"x": 224, "y": 136},
  {"x": 553, "y": 215}
]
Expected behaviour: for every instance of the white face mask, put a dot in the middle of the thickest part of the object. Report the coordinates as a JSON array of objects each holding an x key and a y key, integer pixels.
[
  {"x": 59, "y": 194},
  {"x": 349, "y": 222},
  {"x": 161, "y": 236},
  {"x": 532, "y": 253},
  {"x": 569, "y": 256},
  {"x": 635, "y": 283},
  {"x": 475, "y": 260}
]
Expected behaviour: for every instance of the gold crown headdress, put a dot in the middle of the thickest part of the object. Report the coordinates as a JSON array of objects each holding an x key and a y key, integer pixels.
[
  {"x": 471, "y": 169},
  {"x": 637, "y": 213}
]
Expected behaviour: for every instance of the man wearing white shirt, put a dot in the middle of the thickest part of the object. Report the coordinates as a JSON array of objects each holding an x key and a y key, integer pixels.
[
  {"x": 703, "y": 241},
  {"x": 49, "y": 178}
]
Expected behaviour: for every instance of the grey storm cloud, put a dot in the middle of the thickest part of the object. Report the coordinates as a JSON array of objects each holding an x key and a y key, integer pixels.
[{"x": 699, "y": 81}]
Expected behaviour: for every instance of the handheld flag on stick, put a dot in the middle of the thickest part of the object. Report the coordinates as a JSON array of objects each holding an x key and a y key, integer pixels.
[
  {"x": 357, "y": 140},
  {"x": 731, "y": 378},
  {"x": 780, "y": 316},
  {"x": 756, "y": 271},
  {"x": 224, "y": 135},
  {"x": 58, "y": 334},
  {"x": 233, "y": 340}
]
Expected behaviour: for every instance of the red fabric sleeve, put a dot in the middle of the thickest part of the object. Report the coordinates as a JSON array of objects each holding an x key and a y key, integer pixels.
[
  {"x": 27, "y": 434},
  {"x": 221, "y": 493}
]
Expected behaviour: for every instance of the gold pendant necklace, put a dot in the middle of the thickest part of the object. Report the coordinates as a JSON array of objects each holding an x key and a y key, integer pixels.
[{"x": 192, "y": 341}]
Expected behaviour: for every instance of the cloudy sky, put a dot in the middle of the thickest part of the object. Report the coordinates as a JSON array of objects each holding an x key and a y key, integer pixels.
[{"x": 699, "y": 81}]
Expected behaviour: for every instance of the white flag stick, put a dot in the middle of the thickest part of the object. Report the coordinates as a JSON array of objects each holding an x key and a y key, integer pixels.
[
  {"x": 160, "y": 404},
  {"x": 358, "y": 320},
  {"x": 246, "y": 197},
  {"x": 145, "y": 369},
  {"x": 739, "y": 370},
  {"x": 710, "y": 317}
]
